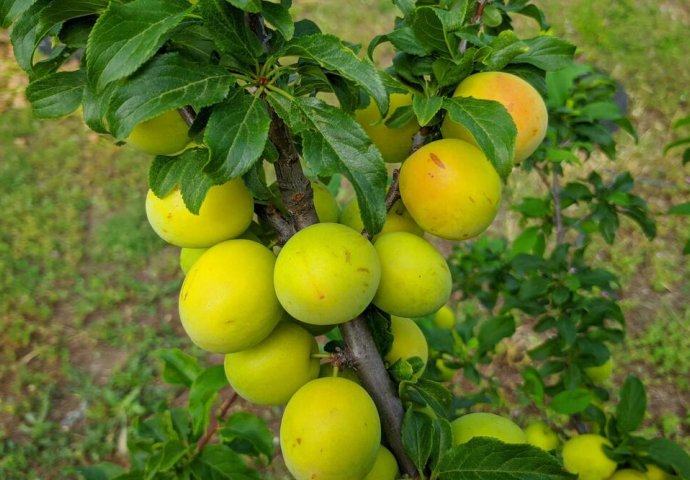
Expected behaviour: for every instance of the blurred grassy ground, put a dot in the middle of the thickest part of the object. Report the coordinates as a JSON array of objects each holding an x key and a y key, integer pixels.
[{"x": 87, "y": 291}]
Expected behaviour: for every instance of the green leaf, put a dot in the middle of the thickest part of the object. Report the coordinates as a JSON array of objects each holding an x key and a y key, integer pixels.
[
  {"x": 670, "y": 453},
  {"x": 56, "y": 95},
  {"x": 10, "y": 10},
  {"x": 450, "y": 72},
  {"x": 248, "y": 434},
  {"x": 166, "y": 458},
  {"x": 682, "y": 209},
  {"x": 431, "y": 393},
  {"x": 432, "y": 27},
  {"x": 501, "y": 51},
  {"x": 236, "y": 135},
  {"x": 380, "y": 327},
  {"x": 491, "y": 126},
  {"x": 405, "y": 40},
  {"x": 333, "y": 142},
  {"x": 426, "y": 107},
  {"x": 417, "y": 437},
  {"x": 230, "y": 32},
  {"x": 494, "y": 330},
  {"x": 569, "y": 402},
  {"x": 184, "y": 171},
  {"x": 490, "y": 459},
  {"x": 632, "y": 405},
  {"x": 202, "y": 394},
  {"x": 95, "y": 106},
  {"x": 100, "y": 471},
  {"x": 178, "y": 367},
  {"x": 251, "y": 6},
  {"x": 40, "y": 19},
  {"x": 219, "y": 462},
  {"x": 441, "y": 442},
  {"x": 329, "y": 52},
  {"x": 601, "y": 111},
  {"x": 280, "y": 18},
  {"x": 127, "y": 35},
  {"x": 167, "y": 82},
  {"x": 533, "y": 385},
  {"x": 547, "y": 52}
]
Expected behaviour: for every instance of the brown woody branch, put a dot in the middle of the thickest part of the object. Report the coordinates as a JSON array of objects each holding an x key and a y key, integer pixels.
[
  {"x": 270, "y": 215},
  {"x": 215, "y": 423}
]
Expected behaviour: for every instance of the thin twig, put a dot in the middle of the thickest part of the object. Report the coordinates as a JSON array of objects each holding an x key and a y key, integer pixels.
[
  {"x": 215, "y": 423},
  {"x": 476, "y": 19},
  {"x": 556, "y": 194},
  {"x": 188, "y": 115},
  {"x": 270, "y": 215}
]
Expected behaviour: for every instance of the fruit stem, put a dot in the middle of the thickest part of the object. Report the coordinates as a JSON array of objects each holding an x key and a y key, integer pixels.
[{"x": 375, "y": 379}]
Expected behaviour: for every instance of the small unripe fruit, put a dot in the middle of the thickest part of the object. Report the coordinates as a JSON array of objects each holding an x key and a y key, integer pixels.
[
  {"x": 385, "y": 468},
  {"x": 628, "y": 474},
  {"x": 445, "y": 318},
  {"x": 326, "y": 274},
  {"x": 330, "y": 430},
  {"x": 393, "y": 143},
  {"x": 523, "y": 102},
  {"x": 540, "y": 435},
  {"x": 270, "y": 372},
  {"x": 584, "y": 456},
  {"x": 189, "y": 256},
  {"x": 473, "y": 425},
  {"x": 165, "y": 134},
  {"x": 415, "y": 278},
  {"x": 450, "y": 189},
  {"x": 408, "y": 341},
  {"x": 601, "y": 373},
  {"x": 225, "y": 213},
  {"x": 656, "y": 473},
  {"x": 398, "y": 219},
  {"x": 327, "y": 209},
  {"x": 227, "y": 301}
]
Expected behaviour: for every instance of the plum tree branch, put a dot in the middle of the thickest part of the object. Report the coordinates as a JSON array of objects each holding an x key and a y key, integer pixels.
[
  {"x": 215, "y": 423},
  {"x": 272, "y": 216},
  {"x": 297, "y": 196}
]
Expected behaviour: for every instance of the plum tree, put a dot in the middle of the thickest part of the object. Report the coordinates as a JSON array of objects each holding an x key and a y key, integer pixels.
[
  {"x": 319, "y": 420},
  {"x": 450, "y": 189},
  {"x": 327, "y": 274},
  {"x": 385, "y": 468},
  {"x": 486, "y": 425},
  {"x": 225, "y": 213},
  {"x": 524, "y": 103},
  {"x": 408, "y": 341},
  {"x": 164, "y": 134},
  {"x": 227, "y": 301},
  {"x": 270, "y": 372},
  {"x": 415, "y": 278},
  {"x": 393, "y": 143},
  {"x": 584, "y": 456}
]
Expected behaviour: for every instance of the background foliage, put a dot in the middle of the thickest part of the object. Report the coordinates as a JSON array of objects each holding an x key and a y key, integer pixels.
[{"x": 87, "y": 294}]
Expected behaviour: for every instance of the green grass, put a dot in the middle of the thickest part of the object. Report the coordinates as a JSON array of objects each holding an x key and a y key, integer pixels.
[{"x": 87, "y": 291}]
